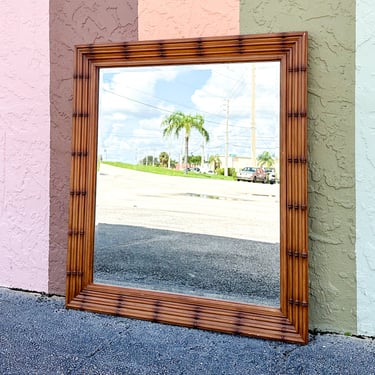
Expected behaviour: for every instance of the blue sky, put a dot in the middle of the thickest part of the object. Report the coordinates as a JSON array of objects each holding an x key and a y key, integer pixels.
[{"x": 135, "y": 100}]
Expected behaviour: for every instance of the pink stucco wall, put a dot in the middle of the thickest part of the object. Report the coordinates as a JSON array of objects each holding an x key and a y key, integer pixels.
[
  {"x": 187, "y": 18},
  {"x": 24, "y": 144}
]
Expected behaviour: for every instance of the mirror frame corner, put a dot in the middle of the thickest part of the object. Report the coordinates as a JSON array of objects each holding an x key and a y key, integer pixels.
[{"x": 289, "y": 322}]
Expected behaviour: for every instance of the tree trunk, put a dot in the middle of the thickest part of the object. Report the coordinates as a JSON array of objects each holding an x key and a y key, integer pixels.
[{"x": 186, "y": 152}]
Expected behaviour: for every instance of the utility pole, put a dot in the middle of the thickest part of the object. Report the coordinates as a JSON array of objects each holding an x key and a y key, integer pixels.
[
  {"x": 226, "y": 142},
  {"x": 253, "y": 124}
]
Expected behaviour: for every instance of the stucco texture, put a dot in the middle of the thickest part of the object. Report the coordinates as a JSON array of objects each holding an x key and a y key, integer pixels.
[
  {"x": 365, "y": 166},
  {"x": 187, "y": 18},
  {"x": 72, "y": 23},
  {"x": 331, "y": 73},
  {"x": 24, "y": 144},
  {"x": 331, "y": 27}
]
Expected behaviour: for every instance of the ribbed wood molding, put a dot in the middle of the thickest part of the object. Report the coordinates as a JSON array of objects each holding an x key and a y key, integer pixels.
[{"x": 290, "y": 321}]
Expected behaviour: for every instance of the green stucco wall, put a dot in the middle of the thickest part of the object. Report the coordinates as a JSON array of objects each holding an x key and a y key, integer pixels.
[{"x": 331, "y": 95}]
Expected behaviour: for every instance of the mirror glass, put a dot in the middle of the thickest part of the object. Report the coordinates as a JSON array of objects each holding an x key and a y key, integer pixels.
[{"x": 187, "y": 195}]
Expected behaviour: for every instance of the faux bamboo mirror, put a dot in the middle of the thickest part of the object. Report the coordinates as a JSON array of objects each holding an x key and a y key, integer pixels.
[{"x": 164, "y": 224}]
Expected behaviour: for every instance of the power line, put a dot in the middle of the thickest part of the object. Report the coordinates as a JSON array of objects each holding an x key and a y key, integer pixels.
[{"x": 159, "y": 108}]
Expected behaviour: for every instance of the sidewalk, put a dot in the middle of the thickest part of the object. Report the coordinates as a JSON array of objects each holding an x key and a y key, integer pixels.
[{"x": 39, "y": 336}]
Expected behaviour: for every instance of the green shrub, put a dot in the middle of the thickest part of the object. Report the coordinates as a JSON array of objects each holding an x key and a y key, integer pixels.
[{"x": 231, "y": 172}]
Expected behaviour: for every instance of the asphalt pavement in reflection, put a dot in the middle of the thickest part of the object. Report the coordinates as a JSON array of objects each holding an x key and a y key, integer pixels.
[{"x": 189, "y": 263}]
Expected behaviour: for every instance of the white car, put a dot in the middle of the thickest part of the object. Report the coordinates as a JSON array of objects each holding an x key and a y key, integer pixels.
[
  {"x": 271, "y": 176},
  {"x": 246, "y": 174}
]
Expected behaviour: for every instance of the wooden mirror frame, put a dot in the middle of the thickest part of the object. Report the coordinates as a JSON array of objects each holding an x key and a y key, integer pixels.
[{"x": 289, "y": 322}]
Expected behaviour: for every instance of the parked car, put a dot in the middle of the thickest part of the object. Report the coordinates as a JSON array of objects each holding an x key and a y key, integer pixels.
[
  {"x": 246, "y": 174},
  {"x": 271, "y": 175},
  {"x": 253, "y": 174},
  {"x": 259, "y": 175}
]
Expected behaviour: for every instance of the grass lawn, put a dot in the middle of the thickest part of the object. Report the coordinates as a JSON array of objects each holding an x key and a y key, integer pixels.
[{"x": 166, "y": 171}]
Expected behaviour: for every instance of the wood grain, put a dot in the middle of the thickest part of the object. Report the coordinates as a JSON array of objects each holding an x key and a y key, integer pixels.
[{"x": 287, "y": 323}]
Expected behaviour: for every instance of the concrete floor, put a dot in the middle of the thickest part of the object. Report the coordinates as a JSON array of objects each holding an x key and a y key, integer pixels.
[{"x": 39, "y": 336}]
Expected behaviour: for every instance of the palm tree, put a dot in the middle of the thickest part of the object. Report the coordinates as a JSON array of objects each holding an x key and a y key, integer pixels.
[
  {"x": 164, "y": 158},
  {"x": 178, "y": 121},
  {"x": 265, "y": 159},
  {"x": 215, "y": 160}
]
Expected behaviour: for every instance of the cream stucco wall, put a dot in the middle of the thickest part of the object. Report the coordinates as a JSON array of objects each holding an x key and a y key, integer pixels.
[
  {"x": 365, "y": 165},
  {"x": 24, "y": 144}
]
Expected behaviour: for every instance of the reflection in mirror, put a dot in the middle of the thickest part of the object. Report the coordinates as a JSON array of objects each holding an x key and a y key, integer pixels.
[{"x": 187, "y": 195}]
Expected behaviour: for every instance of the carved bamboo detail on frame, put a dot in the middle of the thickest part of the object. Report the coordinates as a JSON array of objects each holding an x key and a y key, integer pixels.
[{"x": 290, "y": 321}]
